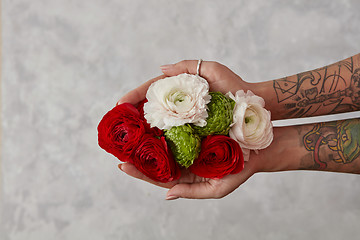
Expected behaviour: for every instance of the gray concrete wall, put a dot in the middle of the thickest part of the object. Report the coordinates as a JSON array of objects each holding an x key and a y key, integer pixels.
[{"x": 66, "y": 63}]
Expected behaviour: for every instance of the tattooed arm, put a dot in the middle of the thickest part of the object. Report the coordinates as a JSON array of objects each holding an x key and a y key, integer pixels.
[
  {"x": 327, "y": 90},
  {"x": 330, "y": 89},
  {"x": 332, "y": 146}
]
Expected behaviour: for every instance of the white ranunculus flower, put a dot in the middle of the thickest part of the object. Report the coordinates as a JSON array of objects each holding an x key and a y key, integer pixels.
[
  {"x": 252, "y": 127},
  {"x": 174, "y": 101}
]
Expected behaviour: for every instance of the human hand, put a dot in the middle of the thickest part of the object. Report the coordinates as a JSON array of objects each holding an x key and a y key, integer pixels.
[
  {"x": 191, "y": 186},
  {"x": 222, "y": 79},
  {"x": 219, "y": 77}
]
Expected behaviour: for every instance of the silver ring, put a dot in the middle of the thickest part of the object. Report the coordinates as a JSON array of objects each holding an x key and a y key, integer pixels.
[{"x": 198, "y": 67}]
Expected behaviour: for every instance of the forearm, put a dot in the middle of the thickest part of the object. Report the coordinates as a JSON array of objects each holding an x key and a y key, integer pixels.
[
  {"x": 332, "y": 146},
  {"x": 327, "y": 90}
]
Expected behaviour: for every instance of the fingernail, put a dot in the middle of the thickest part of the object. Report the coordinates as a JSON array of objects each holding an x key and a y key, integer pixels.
[
  {"x": 118, "y": 103},
  {"x": 171, "y": 197},
  {"x": 120, "y": 167},
  {"x": 166, "y": 67}
]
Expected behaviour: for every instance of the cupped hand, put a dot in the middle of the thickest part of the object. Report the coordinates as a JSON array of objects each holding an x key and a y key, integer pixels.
[
  {"x": 222, "y": 79},
  {"x": 191, "y": 186}
]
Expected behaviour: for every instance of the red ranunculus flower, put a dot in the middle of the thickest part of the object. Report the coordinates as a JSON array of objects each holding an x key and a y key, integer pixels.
[
  {"x": 154, "y": 159},
  {"x": 120, "y": 131},
  {"x": 155, "y": 131},
  {"x": 220, "y": 155}
]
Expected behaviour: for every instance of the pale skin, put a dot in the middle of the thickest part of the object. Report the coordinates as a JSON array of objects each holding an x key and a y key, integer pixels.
[{"x": 328, "y": 147}]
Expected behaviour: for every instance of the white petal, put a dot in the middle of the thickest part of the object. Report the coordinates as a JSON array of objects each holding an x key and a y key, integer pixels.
[
  {"x": 177, "y": 100},
  {"x": 256, "y": 134}
]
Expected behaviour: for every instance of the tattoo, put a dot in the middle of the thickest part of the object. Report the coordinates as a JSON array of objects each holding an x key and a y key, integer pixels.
[
  {"x": 337, "y": 142},
  {"x": 325, "y": 88}
]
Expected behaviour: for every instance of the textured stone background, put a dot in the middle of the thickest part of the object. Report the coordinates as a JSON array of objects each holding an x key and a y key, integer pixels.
[{"x": 66, "y": 63}]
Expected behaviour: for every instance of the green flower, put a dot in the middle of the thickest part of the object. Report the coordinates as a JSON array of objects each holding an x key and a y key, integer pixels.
[
  {"x": 184, "y": 144},
  {"x": 220, "y": 111}
]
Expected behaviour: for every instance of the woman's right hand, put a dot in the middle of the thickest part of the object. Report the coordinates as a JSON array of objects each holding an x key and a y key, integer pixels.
[{"x": 220, "y": 78}]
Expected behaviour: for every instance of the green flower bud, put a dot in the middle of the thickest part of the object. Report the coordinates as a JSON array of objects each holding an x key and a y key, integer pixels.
[
  {"x": 220, "y": 115},
  {"x": 184, "y": 144}
]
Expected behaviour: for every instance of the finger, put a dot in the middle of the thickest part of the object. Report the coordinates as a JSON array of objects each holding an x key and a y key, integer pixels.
[
  {"x": 199, "y": 190},
  {"x": 138, "y": 94},
  {"x": 190, "y": 67},
  {"x": 131, "y": 170},
  {"x": 214, "y": 188}
]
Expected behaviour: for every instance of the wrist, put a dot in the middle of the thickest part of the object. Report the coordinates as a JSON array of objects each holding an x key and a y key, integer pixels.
[
  {"x": 281, "y": 155},
  {"x": 266, "y": 91}
]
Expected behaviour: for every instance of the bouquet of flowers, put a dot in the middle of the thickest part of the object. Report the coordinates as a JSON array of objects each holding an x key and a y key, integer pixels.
[{"x": 181, "y": 124}]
